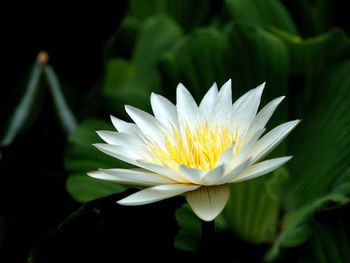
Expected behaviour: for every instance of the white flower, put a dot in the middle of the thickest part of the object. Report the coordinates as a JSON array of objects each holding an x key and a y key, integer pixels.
[{"x": 193, "y": 149}]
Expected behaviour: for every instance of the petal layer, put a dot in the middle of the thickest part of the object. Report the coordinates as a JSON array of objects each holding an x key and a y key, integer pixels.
[
  {"x": 156, "y": 193},
  {"x": 207, "y": 202},
  {"x": 261, "y": 168},
  {"x": 130, "y": 176}
]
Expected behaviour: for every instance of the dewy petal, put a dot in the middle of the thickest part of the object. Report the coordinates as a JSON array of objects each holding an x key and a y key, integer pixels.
[
  {"x": 261, "y": 168},
  {"x": 125, "y": 127},
  {"x": 130, "y": 176},
  {"x": 208, "y": 101},
  {"x": 187, "y": 109},
  {"x": 148, "y": 124},
  {"x": 263, "y": 116},
  {"x": 164, "y": 111},
  {"x": 207, "y": 202},
  {"x": 245, "y": 108},
  {"x": 156, "y": 193},
  {"x": 271, "y": 140}
]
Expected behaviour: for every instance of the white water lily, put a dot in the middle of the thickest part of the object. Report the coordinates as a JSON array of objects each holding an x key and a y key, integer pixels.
[{"x": 191, "y": 149}]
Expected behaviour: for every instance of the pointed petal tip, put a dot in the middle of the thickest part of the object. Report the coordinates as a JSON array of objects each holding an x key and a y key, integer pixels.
[
  {"x": 180, "y": 86},
  {"x": 99, "y": 133},
  {"x": 91, "y": 174},
  {"x": 112, "y": 117},
  {"x": 227, "y": 84},
  {"x": 261, "y": 87}
]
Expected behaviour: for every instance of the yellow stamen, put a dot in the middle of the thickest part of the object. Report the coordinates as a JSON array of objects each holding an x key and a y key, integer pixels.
[{"x": 199, "y": 148}]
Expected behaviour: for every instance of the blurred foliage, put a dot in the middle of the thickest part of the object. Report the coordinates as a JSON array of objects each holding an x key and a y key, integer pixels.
[{"x": 300, "y": 48}]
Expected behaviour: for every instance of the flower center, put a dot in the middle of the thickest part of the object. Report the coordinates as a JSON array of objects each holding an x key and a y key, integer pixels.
[{"x": 199, "y": 148}]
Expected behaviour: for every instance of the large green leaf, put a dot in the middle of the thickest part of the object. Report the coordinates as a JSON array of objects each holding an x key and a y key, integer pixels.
[
  {"x": 253, "y": 208},
  {"x": 139, "y": 77},
  {"x": 311, "y": 56},
  {"x": 311, "y": 17},
  {"x": 82, "y": 157},
  {"x": 189, "y": 236},
  {"x": 320, "y": 171},
  {"x": 299, "y": 224},
  {"x": 181, "y": 11},
  {"x": 321, "y": 143},
  {"x": 248, "y": 55},
  {"x": 329, "y": 242},
  {"x": 269, "y": 13}
]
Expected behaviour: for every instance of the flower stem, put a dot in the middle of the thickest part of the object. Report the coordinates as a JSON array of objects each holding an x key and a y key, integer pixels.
[{"x": 208, "y": 234}]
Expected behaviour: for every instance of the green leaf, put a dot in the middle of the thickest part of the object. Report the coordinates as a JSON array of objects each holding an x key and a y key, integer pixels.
[
  {"x": 139, "y": 77},
  {"x": 189, "y": 236},
  {"x": 311, "y": 56},
  {"x": 197, "y": 61},
  {"x": 320, "y": 171},
  {"x": 268, "y": 13},
  {"x": 320, "y": 143},
  {"x": 182, "y": 11},
  {"x": 329, "y": 242},
  {"x": 252, "y": 212},
  {"x": 84, "y": 188},
  {"x": 82, "y": 157},
  {"x": 26, "y": 109},
  {"x": 299, "y": 224},
  {"x": 247, "y": 54}
]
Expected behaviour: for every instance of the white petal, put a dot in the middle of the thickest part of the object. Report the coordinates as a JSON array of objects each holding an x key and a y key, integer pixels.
[
  {"x": 207, "y": 202},
  {"x": 261, "y": 168},
  {"x": 222, "y": 108},
  {"x": 234, "y": 172},
  {"x": 271, "y": 140},
  {"x": 156, "y": 193},
  {"x": 214, "y": 176},
  {"x": 243, "y": 154},
  {"x": 187, "y": 109},
  {"x": 193, "y": 175},
  {"x": 164, "y": 111},
  {"x": 130, "y": 176},
  {"x": 125, "y": 140},
  {"x": 118, "y": 152},
  {"x": 208, "y": 100},
  {"x": 245, "y": 109},
  {"x": 226, "y": 157},
  {"x": 148, "y": 124},
  {"x": 264, "y": 115},
  {"x": 160, "y": 169},
  {"x": 125, "y": 127}
]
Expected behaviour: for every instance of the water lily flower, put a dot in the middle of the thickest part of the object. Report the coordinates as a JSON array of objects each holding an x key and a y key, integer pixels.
[{"x": 191, "y": 149}]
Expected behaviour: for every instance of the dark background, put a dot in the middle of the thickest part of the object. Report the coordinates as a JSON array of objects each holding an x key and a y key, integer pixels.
[{"x": 33, "y": 197}]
